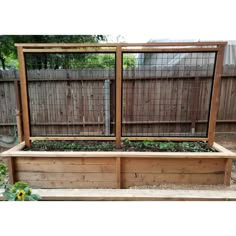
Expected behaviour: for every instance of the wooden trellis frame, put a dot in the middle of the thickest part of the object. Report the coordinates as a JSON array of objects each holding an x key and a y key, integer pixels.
[{"x": 217, "y": 47}]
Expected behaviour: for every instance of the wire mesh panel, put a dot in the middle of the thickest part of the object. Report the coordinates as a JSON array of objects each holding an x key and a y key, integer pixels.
[
  {"x": 71, "y": 94},
  {"x": 167, "y": 94}
]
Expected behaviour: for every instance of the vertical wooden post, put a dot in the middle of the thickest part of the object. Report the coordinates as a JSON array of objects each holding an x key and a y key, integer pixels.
[
  {"x": 118, "y": 95},
  {"x": 18, "y": 112},
  {"x": 24, "y": 96},
  {"x": 118, "y": 172},
  {"x": 195, "y": 103},
  {"x": 228, "y": 169},
  {"x": 11, "y": 170},
  {"x": 215, "y": 95}
]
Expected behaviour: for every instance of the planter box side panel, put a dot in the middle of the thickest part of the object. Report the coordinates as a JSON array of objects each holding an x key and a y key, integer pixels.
[
  {"x": 67, "y": 172},
  {"x": 147, "y": 171}
]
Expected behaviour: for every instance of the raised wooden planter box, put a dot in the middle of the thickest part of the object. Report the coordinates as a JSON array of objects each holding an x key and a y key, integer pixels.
[{"x": 117, "y": 169}]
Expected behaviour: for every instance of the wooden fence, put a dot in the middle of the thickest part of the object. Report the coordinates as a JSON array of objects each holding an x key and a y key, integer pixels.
[{"x": 47, "y": 84}]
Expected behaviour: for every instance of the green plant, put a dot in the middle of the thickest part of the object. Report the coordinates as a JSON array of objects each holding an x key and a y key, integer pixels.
[
  {"x": 3, "y": 173},
  {"x": 167, "y": 145},
  {"x": 128, "y": 143},
  {"x": 20, "y": 191}
]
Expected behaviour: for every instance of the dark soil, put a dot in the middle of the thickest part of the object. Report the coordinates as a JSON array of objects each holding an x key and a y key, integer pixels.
[{"x": 140, "y": 146}]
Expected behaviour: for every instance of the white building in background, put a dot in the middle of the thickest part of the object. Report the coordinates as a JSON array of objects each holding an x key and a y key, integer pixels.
[{"x": 187, "y": 59}]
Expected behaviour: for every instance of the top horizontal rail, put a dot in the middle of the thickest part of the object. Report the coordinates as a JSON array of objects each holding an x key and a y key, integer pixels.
[
  {"x": 101, "y": 50},
  {"x": 75, "y": 45},
  {"x": 133, "y": 50}
]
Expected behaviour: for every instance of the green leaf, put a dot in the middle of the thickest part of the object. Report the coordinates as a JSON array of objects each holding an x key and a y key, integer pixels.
[
  {"x": 20, "y": 185},
  {"x": 1, "y": 183},
  {"x": 12, "y": 198},
  {"x": 36, "y": 197},
  {"x": 9, "y": 196}
]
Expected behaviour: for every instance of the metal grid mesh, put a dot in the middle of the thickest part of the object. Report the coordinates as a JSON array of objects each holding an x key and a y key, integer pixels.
[
  {"x": 167, "y": 94},
  {"x": 70, "y": 93}
]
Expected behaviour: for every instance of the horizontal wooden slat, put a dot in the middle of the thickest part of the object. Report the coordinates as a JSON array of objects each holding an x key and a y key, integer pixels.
[
  {"x": 112, "y": 154},
  {"x": 66, "y": 168},
  {"x": 15, "y": 148},
  {"x": 220, "y": 194},
  {"x": 72, "y": 138},
  {"x": 132, "y": 179},
  {"x": 90, "y": 168},
  {"x": 173, "y": 166},
  {"x": 164, "y": 138},
  {"x": 70, "y": 184},
  {"x": 137, "y": 50},
  {"x": 206, "y": 43},
  {"x": 54, "y": 50},
  {"x": 74, "y": 177},
  {"x": 66, "y": 160},
  {"x": 124, "y": 122},
  {"x": 12, "y": 80}
]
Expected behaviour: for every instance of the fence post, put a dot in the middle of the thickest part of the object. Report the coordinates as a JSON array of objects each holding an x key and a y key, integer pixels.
[
  {"x": 118, "y": 95},
  {"x": 18, "y": 112},
  {"x": 24, "y": 95},
  {"x": 195, "y": 103},
  {"x": 215, "y": 95}
]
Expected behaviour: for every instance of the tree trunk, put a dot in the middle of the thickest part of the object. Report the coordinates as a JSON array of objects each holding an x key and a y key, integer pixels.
[{"x": 3, "y": 63}]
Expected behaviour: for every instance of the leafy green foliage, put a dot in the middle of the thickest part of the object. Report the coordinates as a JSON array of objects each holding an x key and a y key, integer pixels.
[
  {"x": 3, "y": 173},
  {"x": 168, "y": 146},
  {"x": 127, "y": 145},
  {"x": 7, "y": 50},
  {"x": 20, "y": 191},
  {"x": 8, "y": 54},
  {"x": 72, "y": 146}
]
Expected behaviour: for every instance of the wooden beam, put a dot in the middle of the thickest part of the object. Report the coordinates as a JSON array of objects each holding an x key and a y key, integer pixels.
[
  {"x": 126, "y": 122},
  {"x": 115, "y": 154},
  {"x": 118, "y": 96},
  {"x": 136, "y": 50},
  {"x": 88, "y": 50},
  {"x": 68, "y": 45},
  {"x": 10, "y": 80},
  {"x": 158, "y": 194},
  {"x": 18, "y": 112},
  {"x": 118, "y": 172},
  {"x": 11, "y": 169},
  {"x": 165, "y": 138},
  {"x": 18, "y": 147},
  {"x": 220, "y": 148},
  {"x": 228, "y": 170},
  {"x": 195, "y": 103},
  {"x": 24, "y": 96},
  {"x": 74, "y": 138},
  {"x": 215, "y": 95},
  {"x": 70, "y": 79}
]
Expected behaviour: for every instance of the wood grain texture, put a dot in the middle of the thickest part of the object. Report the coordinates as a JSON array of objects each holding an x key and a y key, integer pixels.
[
  {"x": 48, "y": 45},
  {"x": 140, "y": 179},
  {"x": 228, "y": 170},
  {"x": 118, "y": 96},
  {"x": 58, "y": 124},
  {"x": 165, "y": 166},
  {"x": 71, "y": 184},
  {"x": 118, "y": 172},
  {"x": 215, "y": 95},
  {"x": 134, "y": 194},
  {"x": 11, "y": 169},
  {"x": 24, "y": 96}
]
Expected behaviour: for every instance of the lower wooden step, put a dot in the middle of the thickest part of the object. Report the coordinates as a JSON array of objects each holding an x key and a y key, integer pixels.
[{"x": 133, "y": 195}]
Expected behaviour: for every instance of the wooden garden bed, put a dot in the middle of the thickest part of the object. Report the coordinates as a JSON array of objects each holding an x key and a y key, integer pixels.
[{"x": 114, "y": 169}]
